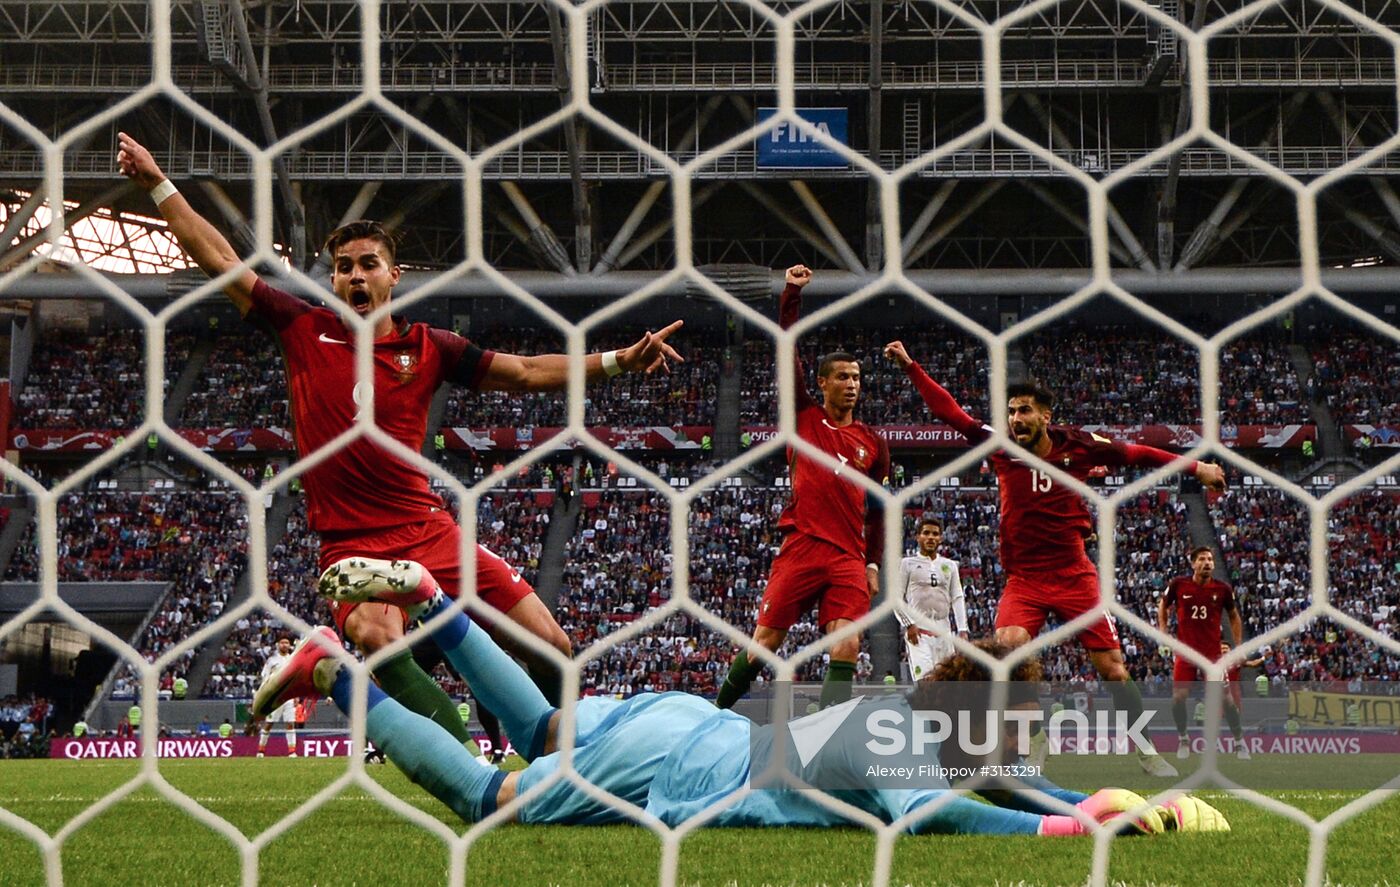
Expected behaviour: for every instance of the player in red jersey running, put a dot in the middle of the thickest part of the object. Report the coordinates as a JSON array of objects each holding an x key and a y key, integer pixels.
[
  {"x": 362, "y": 500},
  {"x": 1199, "y": 601},
  {"x": 832, "y": 539},
  {"x": 1044, "y": 525}
]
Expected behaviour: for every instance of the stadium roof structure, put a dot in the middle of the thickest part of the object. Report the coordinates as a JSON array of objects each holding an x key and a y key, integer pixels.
[{"x": 1099, "y": 85}]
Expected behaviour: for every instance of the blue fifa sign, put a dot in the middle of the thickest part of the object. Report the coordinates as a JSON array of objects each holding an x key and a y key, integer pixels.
[{"x": 786, "y": 146}]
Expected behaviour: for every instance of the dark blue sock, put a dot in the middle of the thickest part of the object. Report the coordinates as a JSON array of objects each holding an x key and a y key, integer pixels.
[{"x": 340, "y": 691}]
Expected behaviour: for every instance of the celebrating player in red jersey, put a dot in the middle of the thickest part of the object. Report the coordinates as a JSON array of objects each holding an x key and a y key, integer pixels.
[
  {"x": 363, "y": 500},
  {"x": 832, "y": 540},
  {"x": 1044, "y": 525},
  {"x": 1199, "y": 601}
]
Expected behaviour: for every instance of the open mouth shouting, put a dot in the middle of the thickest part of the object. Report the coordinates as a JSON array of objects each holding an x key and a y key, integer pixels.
[{"x": 360, "y": 301}]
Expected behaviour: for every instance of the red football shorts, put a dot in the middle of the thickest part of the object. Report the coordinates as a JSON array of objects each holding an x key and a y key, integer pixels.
[
  {"x": 1027, "y": 603},
  {"x": 1184, "y": 672},
  {"x": 806, "y": 570},
  {"x": 432, "y": 543}
]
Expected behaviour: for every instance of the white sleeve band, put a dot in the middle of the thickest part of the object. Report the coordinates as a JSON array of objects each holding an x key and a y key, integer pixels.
[
  {"x": 163, "y": 192},
  {"x": 875, "y": 567},
  {"x": 610, "y": 364}
]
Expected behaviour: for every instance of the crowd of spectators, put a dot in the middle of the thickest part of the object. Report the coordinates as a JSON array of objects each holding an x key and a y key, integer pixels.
[
  {"x": 1116, "y": 375},
  {"x": 685, "y": 395},
  {"x": 196, "y": 541},
  {"x": 242, "y": 385},
  {"x": 954, "y": 360},
  {"x": 24, "y": 726},
  {"x": 1258, "y": 383},
  {"x": 291, "y": 583},
  {"x": 1363, "y": 534},
  {"x": 1358, "y": 375},
  {"x": 85, "y": 381},
  {"x": 1263, "y": 537}
]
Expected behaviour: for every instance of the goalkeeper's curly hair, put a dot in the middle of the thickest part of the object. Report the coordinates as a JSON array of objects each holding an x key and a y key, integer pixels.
[{"x": 961, "y": 682}]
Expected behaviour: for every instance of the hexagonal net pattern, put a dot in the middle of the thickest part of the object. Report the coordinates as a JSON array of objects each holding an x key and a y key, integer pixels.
[{"x": 892, "y": 277}]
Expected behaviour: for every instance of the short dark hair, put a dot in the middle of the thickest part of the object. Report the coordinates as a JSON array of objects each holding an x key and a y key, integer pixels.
[
  {"x": 824, "y": 365},
  {"x": 1198, "y": 549},
  {"x": 928, "y": 520},
  {"x": 362, "y": 229},
  {"x": 1037, "y": 392}
]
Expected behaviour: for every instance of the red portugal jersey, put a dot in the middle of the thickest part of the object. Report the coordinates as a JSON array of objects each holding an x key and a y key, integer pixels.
[
  {"x": 1198, "y": 609},
  {"x": 823, "y": 504},
  {"x": 1043, "y": 522},
  {"x": 361, "y": 487}
]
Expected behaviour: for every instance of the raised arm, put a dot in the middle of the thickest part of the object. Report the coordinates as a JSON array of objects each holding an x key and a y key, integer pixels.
[
  {"x": 202, "y": 241},
  {"x": 550, "y": 372},
  {"x": 789, "y": 309},
  {"x": 944, "y": 408}
]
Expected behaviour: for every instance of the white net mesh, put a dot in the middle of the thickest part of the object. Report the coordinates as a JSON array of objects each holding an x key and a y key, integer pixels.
[{"x": 786, "y": 28}]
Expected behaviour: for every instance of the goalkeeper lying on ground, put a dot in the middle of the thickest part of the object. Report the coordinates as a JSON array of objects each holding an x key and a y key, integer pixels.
[{"x": 672, "y": 754}]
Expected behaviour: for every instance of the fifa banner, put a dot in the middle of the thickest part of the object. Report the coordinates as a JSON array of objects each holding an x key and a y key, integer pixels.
[
  {"x": 1373, "y": 435},
  {"x": 1316, "y": 708},
  {"x": 787, "y": 147},
  {"x": 1162, "y": 436},
  {"x": 658, "y": 437}
]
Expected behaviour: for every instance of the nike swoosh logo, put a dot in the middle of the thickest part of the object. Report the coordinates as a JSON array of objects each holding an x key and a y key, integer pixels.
[
  {"x": 329, "y": 341},
  {"x": 514, "y": 577}
]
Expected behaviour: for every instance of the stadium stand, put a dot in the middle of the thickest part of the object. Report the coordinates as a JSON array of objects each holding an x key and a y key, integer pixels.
[{"x": 90, "y": 382}]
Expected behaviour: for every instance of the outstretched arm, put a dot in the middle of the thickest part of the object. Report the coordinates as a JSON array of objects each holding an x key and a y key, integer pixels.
[
  {"x": 202, "y": 241},
  {"x": 789, "y": 309},
  {"x": 550, "y": 372},
  {"x": 1211, "y": 476},
  {"x": 940, "y": 402}
]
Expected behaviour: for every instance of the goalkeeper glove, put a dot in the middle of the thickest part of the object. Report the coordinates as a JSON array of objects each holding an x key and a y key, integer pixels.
[
  {"x": 1104, "y": 806},
  {"x": 1188, "y": 814}
]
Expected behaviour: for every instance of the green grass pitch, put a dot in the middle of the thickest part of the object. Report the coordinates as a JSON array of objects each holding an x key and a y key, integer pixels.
[{"x": 145, "y": 840}]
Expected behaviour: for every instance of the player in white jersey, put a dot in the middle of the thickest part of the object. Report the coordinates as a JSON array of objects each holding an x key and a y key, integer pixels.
[
  {"x": 286, "y": 712},
  {"x": 932, "y": 589}
]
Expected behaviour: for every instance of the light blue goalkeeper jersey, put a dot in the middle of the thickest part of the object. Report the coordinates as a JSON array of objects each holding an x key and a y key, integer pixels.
[{"x": 674, "y": 755}]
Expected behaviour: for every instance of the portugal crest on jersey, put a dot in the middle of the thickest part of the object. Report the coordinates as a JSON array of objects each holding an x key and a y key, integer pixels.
[{"x": 407, "y": 363}]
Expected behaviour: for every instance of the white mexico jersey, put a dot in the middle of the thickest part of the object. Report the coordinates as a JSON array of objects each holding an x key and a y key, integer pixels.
[
  {"x": 273, "y": 663},
  {"x": 931, "y": 585}
]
